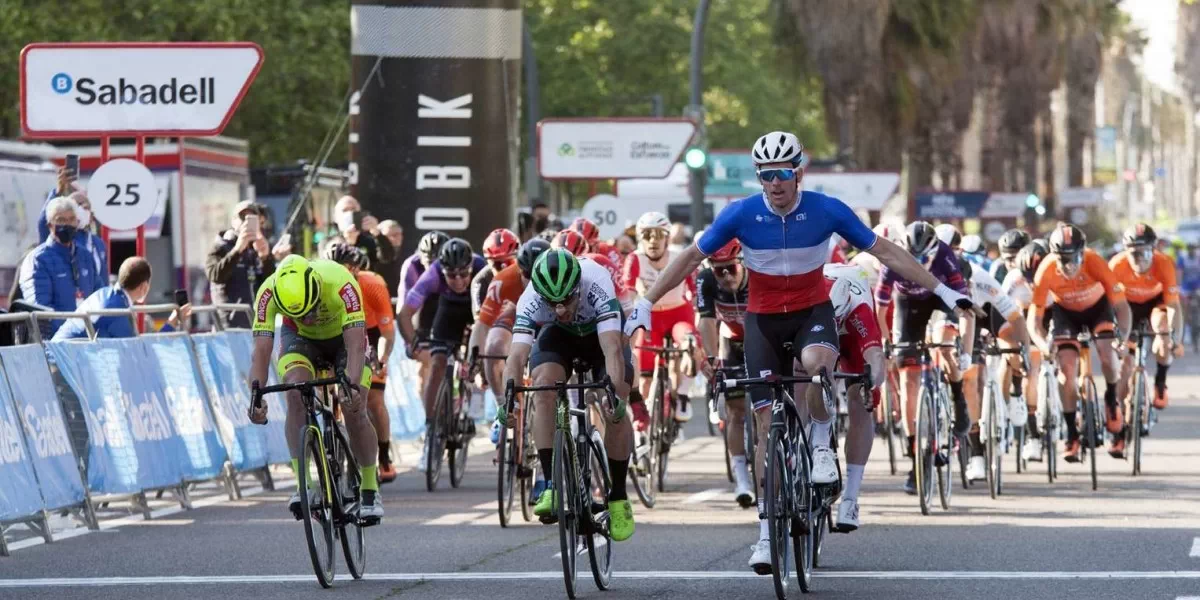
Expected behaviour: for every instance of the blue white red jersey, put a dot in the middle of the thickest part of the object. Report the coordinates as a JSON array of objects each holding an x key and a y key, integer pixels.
[{"x": 785, "y": 254}]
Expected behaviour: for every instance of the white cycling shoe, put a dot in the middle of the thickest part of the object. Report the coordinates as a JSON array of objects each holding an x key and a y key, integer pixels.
[
  {"x": 824, "y": 465},
  {"x": 741, "y": 489},
  {"x": 1032, "y": 450},
  {"x": 760, "y": 557},
  {"x": 977, "y": 469},
  {"x": 294, "y": 502},
  {"x": 371, "y": 508},
  {"x": 847, "y": 516}
]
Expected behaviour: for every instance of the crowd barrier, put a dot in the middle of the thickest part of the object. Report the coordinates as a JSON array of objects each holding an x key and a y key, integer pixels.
[{"x": 84, "y": 423}]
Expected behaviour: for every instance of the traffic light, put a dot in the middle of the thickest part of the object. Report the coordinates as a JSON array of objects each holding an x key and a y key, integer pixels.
[
  {"x": 1032, "y": 201},
  {"x": 695, "y": 158}
]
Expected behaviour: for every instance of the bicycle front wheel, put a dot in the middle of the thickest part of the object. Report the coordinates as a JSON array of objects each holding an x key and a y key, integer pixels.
[
  {"x": 779, "y": 513},
  {"x": 926, "y": 449},
  {"x": 992, "y": 451},
  {"x": 507, "y": 462},
  {"x": 599, "y": 539},
  {"x": 435, "y": 439},
  {"x": 806, "y": 531},
  {"x": 889, "y": 425},
  {"x": 1092, "y": 436},
  {"x": 1135, "y": 427},
  {"x": 566, "y": 497},
  {"x": 526, "y": 457},
  {"x": 318, "y": 518},
  {"x": 350, "y": 528},
  {"x": 462, "y": 441}
]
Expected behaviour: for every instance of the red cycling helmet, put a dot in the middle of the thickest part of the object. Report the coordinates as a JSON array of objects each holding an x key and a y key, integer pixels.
[
  {"x": 586, "y": 228},
  {"x": 570, "y": 240},
  {"x": 500, "y": 243},
  {"x": 728, "y": 252}
]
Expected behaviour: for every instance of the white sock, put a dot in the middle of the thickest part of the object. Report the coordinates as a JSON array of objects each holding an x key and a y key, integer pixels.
[
  {"x": 739, "y": 467},
  {"x": 684, "y": 386},
  {"x": 819, "y": 435},
  {"x": 764, "y": 529},
  {"x": 854, "y": 477}
]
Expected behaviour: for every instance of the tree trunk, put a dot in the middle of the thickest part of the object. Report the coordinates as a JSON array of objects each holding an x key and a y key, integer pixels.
[
  {"x": 1081, "y": 111},
  {"x": 1048, "y": 165},
  {"x": 920, "y": 159},
  {"x": 992, "y": 155}
]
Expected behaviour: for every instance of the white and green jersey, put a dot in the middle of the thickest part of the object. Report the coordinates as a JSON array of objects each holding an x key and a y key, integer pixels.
[{"x": 599, "y": 309}]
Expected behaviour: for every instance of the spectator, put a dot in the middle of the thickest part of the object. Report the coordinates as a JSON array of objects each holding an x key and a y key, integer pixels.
[
  {"x": 239, "y": 259},
  {"x": 132, "y": 287},
  {"x": 59, "y": 273},
  {"x": 352, "y": 222},
  {"x": 88, "y": 234},
  {"x": 395, "y": 236}
]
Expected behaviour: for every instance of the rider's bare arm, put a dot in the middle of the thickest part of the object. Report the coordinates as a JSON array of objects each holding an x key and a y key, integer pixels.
[
  {"x": 612, "y": 343},
  {"x": 518, "y": 357},
  {"x": 683, "y": 265},
  {"x": 899, "y": 260},
  {"x": 260, "y": 361}
]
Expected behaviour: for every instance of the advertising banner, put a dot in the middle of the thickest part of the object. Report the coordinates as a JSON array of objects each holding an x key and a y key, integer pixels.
[
  {"x": 950, "y": 205},
  {"x": 19, "y": 495},
  {"x": 241, "y": 344},
  {"x": 245, "y": 442},
  {"x": 28, "y": 374},
  {"x": 611, "y": 148},
  {"x": 187, "y": 407}
]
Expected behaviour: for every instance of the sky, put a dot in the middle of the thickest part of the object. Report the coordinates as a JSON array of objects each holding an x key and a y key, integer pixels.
[{"x": 1157, "y": 20}]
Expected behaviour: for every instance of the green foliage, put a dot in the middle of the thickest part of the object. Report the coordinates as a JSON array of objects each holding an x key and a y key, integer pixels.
[{"x": 290, "y": 106}]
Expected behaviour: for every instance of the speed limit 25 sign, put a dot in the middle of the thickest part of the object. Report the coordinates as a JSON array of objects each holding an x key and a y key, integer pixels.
[{"x": 123, "y": 194}]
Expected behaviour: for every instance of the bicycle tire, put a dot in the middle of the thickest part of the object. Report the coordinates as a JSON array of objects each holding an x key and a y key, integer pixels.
[
  {"x": 995, "y": 454},
  {"x": 318, "y": 520},
  {"x": 728, "y": 460},
  {"x": 600, "y": 551},
  {"x": 945, "y": 435},
  {"x": 641, "y": 470},
  {"x": 1019, "y": 442},
  {"x": 750, "y": 441},
  {"x": 1090, "y": 408},
  {"x": 506, "y": 480},
  {"x": 710, "y": 407},
  {"x": 458, "y": 457},
  {"x": 889, "y": 424},
  {"x": 778, "y": 512},
  {"x": 926, "y": 447},
  {"x": 350, "y": 528},
  {"x": 805, "y": 546},
  {"x": 564, "y": 486},
  {"x": 662, "y": 422},
  {"x": 527, "y": 456},
  {"x": 435, "y": 439},
  {"x": 1138, "y": 403}
]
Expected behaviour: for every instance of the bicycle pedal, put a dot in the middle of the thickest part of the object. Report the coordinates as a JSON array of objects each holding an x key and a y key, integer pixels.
[
  {"x": 369, "y": 521},
  {"x": 940, "y": 460}
]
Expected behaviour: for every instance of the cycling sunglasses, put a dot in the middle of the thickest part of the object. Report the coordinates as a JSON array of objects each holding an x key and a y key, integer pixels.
[
  {"x": 458, "y": 274},
  {"x": 726, "y": 270},
  {"x": 500, "y": 263},
  {"x": 780, "y": 174}
]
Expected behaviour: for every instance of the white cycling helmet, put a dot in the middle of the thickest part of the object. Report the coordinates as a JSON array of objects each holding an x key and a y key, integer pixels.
[
  {"x": 653, "y": 220},
  {"x": 948, "y": 235},
  {"x": 972, "y": 244},
  {"x": 890, "y": 232},
  {"x": 779, "y": 146}
]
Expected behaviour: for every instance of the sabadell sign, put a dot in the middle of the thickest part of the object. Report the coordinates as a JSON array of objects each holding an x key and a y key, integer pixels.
[{"x": 134, "y": 89}]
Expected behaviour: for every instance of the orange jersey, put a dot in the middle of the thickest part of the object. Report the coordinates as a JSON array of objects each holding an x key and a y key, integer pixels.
[
  {"x": 1144, "y": 287},
  {"x": 1093, "y": 281},
  {"x": 377, "y": 303},
  {"x": 506, "y": 287}
]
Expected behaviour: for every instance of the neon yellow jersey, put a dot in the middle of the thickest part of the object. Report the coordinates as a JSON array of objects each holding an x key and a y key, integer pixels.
[{"x": 340, "y": 306}]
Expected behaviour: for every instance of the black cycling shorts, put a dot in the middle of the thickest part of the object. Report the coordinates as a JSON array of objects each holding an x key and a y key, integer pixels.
[
  {"x": 558, "y": 346},
  {"x": 910, "y": 319},
  {"x": 297, "y": 351},
  {"x": 450, "y": 323},
  {"x": 733, "y": 354},
  {"x": 425, "y": 321},
  {"x": 765, "y": 335},
  {"x": 1067, "y": 324},
  {"x": 1141, "y": 312}
]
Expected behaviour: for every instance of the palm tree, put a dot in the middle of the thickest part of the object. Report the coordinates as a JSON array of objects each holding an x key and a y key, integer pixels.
[{"x": 1091, "y": 27}]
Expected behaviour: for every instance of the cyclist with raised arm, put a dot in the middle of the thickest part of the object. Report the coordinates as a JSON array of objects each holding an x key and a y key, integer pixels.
[
  {"x": 381, "y": 339},
  {"x": 449, "y": 280},
  {"x": 1084, "y": 291},
  {"x": 323, "y": 323},
  {"x": 1018, "y": 285},
  {"x": 570, "y": 311},
  {"x": 915, "y": 306},
  {"x": 785, "y": 234},
  {"x": 672, "y": 314},
  {"x": 722, "y": 294},
  {"x": 410, "y": 272},
  {"x": 1153, "y": 294}
]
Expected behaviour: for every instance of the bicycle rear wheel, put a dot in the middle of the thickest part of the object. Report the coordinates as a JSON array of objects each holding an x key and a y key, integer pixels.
[
  {"x": 462, "y": 442},
  {"x": 806, "y": 538},
  {"x": 526, "y": 457},
  {"x": 350, "y": 528},
  {"x": 599, "y": 540},
  {"x": 567, "y": 498},
  {"x": 778, "y": 512},
  {"x": 507, "y": 461},
  {"x": 889, "y": 425},
  {"x": 435, "y": 438},
  {"x": 318, "y": 520},
  {"x": 992, "y": 451},
  {"x": 1138, "y": 404},
  {"x": 926, "y": 448}
]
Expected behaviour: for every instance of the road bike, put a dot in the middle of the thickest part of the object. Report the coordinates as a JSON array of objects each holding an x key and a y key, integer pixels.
[
  {"x": 327, "y": 461},
  {"x": 934, "y": 428},
  {"x": 653, "y": 456},
  {"x": 1049, "y": 415},
  {"x": 748, "y": 429},
  {"x": 451, "y": 427},
  {"x": 580, "y": 473},
  {"x": 996, "y": 428},
  {"x": 1091, "y": 412},
  {"x": 516, "y": 455},
  {"x": 888, "y": 424},
  {"x": 1141, "y": 413}
]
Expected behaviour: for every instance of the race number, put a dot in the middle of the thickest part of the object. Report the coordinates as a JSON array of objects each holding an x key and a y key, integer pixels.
[{"x": 123, "y": 194}]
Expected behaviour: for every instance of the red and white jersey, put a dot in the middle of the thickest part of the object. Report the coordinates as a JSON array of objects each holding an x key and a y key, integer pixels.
[
  {"x": 848, "y": 290},
  {"x": 640, "y": 275},
  {"x": 870, "y": 264},
  {"x": 1017, "y": 287}
]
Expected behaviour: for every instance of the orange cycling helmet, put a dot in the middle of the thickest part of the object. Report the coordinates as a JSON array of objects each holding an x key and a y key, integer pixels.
[{"x": 500, "y": 243}]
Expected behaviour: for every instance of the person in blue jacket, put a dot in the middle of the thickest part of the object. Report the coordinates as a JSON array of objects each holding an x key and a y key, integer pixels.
[
  {"x": 86, "y": 236},
  {"x": 59, "y": 273},
  {"x": 132, "y": 287}
]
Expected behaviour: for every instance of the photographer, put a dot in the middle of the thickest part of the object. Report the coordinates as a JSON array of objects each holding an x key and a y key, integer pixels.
[{"x": 239, "y": 260}]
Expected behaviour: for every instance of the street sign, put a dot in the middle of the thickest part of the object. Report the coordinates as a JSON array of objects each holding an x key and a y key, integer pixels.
[
  {"x": 123, "y": 194},
  {"x": 611, "y": 148},
  {"x": 95, "y": 89},
  {"x": 731, "y": 173}
]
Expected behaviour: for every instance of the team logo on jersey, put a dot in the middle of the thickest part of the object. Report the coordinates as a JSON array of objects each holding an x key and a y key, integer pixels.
[
  {"x": 758, "y": 218},
  {"x": 801, "y": 217},
  {"x": 350, "y": 297},
  {"x": 818, "y": 328},
  {"x": 264, "y": 302}
]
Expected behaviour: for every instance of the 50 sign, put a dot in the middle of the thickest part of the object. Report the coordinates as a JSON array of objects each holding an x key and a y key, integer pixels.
[{"x": 123, "y": 194}]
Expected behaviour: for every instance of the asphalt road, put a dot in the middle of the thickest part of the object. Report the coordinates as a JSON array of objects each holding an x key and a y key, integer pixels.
[{"x": 1134, "y": 538}]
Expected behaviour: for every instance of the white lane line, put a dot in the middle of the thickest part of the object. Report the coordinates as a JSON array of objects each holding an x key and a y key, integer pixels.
[
  {"x": 458, "y": 518},
  {"x": 557, "y": 575},
  {"x": 704, "y": 496},
  {"x": 582, "y": 548},
  {"x": 1195, "y": 548}
]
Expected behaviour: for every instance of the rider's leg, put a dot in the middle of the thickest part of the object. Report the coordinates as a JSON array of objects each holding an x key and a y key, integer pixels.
[
  {"x": 1162, "y": 352},
  {"x": 859, "y": 439},
  {"x": 293, "y": 426},
  {"x": 1110, "y": 367},
  {"x": 381, "y": 421},
  {"x": 437, "y": 372},
  {"x": 618, "y": 437},
  {"x": 763, "y": 345},
  {"x": 364, "y": 442},
  {"x": 683, "y": 333},
  {"x": 497, "y": 344},
  {"x": 971, "y": 392},
  {"x": 1031, "y": 397},
  {"x": 949, "y": 361},
  {"x": 1068, "y": 368}
]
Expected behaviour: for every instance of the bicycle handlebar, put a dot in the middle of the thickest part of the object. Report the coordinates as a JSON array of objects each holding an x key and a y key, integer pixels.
[
  {"x": 258, "y": 391},
  {"x": 663, "y": 349}
]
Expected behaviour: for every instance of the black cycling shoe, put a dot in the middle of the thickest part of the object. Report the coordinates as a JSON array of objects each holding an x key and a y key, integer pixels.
[
  {"x": 910, "y": 484},
  {"x": 962, "y": 420}
]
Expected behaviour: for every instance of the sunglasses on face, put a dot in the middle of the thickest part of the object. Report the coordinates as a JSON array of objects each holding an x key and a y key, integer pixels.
[
  {"x": 458, "y": 274},
  {"x": 725, "y": 270},
  {"x": 780, "y": 174},
  {"x": 565, "y": 304}
]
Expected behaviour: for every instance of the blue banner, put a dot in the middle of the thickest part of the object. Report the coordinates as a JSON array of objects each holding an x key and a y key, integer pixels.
[
  {"x": 241, "y": 343},
  {"x": 402, "y": 397},
  {"x": 27, "y": 371},
  {"x": 950, "y": 205},
  {"x": 187, "y": 406},
  {"x": 246, "y": 442},
  {"x": 19, "y": 496},
  {"x": 132, "y": 442}
]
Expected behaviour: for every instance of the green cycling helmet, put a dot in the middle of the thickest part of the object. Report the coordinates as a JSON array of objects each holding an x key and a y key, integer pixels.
[
  {"x": 556, "y": 274},
  {"x": 297, "y": 288}
]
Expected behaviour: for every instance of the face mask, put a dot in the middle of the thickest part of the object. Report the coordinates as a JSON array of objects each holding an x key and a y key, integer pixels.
[
  {"x": 85, "y": 218},
  {"x": 65, "y": 233}
]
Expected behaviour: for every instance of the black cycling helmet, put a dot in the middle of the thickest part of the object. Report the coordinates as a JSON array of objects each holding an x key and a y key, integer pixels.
[
  {"x": 1140, "y": 234},
  {"x": 456, "y": 253},
  {"x": 1067, "y": 240},
  {"x": 343, "y": 254},
  {"x": 430, "y": 244},
  {"x": 1013, "y": 240},
  {"x": 1029, "y": 257},
  {"x": 529, "y": 253},
  {"x": 921, "y": 239}
]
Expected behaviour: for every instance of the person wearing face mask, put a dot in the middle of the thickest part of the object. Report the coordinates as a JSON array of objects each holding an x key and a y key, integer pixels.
[
  {"x": 59, "y": 273},
  {"x": 239, "y": 260},
  {"x": 87, "y": 236},
  {"x": 132, "y": 287}
]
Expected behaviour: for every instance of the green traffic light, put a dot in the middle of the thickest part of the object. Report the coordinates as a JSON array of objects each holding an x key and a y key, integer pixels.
[
  {"x": 1032, "y": 201},
  {"x": 695, "y": 158}
]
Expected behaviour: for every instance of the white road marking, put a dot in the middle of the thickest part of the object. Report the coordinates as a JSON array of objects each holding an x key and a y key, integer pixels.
[
  {"x": 1195, "y": 548},
  {"x": 557, "y": 575},
  {"x": 457, "y": 518},
  {"x": 582, "y": 548},
  {"x": 704, "y": 496}
]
